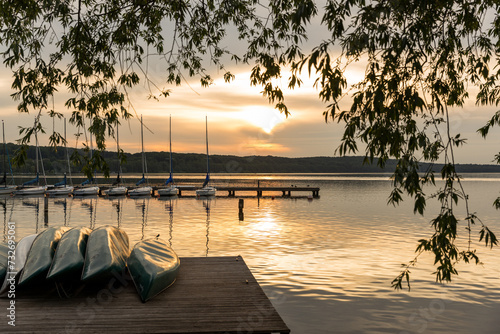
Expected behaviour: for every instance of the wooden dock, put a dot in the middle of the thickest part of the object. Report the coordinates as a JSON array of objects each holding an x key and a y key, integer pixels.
[
  {"x": 211, "y": 295},
  {"x": 231, "y": 191}
]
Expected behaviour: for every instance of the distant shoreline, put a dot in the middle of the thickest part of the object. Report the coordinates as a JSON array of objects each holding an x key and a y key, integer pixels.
[{"x": 158, "y": 162}]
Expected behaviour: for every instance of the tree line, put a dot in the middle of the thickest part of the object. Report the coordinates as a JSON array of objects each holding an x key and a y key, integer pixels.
[{"x": 55, "y": 163}]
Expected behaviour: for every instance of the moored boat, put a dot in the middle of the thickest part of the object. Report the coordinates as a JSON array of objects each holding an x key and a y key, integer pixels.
[
  {"x": 116, "y": 191},
  {"x": 144, "y": 190},
  {"x": 140, "y": 191},
  {"x": 40, "y": 255},
  {"x": 107, "y": 252},
  {"x": 153, "y": 266},
  {"x": 69, "y": 257},
  {"x": 206, "y": 189},
  {"x": 171, "y": 190},
  {"x": 86, "y": 191}
]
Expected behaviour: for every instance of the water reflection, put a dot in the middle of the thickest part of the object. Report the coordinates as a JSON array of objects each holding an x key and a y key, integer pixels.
[
  {"x": 7, "y": 217},
  {"x": 331, "y": 259},
  {"x": 206, "y": 204},
  {"x": 33, "y": 202},
  {"x": 117, "y": 203},
  {"x": 64, "y": 204},
  {"x": 143, "y": 205},
  {"x": 90, "y": 204}
]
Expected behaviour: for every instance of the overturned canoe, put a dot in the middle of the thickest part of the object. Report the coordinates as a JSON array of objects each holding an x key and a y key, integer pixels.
[
  {"x": 107, "y": 253},
  {"x": 40, "y": 255},
  {"x": 22, "y": 250},
  {"x": 153, "y": 266},
  {"x": 69, "y": 257},
  {"x": 4, "y": 260}
]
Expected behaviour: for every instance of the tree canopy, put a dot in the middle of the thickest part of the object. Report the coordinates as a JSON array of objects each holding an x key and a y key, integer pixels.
[{"x": 422, "y": 59}]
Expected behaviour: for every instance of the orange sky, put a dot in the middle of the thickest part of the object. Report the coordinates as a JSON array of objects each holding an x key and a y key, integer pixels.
[{"x": 242, "y": 122}]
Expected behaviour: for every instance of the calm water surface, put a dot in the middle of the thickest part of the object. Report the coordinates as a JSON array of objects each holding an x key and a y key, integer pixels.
[{"x": 325, "y": 263}]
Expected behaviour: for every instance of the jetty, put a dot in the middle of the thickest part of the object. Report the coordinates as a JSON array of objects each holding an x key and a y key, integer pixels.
[
  {"x": 211, "y": 295},
  {"x": 257, "y": 190}
]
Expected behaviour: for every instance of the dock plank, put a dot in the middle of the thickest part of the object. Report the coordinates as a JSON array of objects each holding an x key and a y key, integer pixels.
[{"x": 211, "y": 295}]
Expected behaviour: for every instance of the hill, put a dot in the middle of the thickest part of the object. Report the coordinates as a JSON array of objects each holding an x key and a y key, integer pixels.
[{"x": 158, "y": 162}]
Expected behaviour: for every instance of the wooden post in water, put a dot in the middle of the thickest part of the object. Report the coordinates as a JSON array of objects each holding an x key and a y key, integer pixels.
[
  {"x": 46, "y": 210},
  {"x": 240, "y": 207}
]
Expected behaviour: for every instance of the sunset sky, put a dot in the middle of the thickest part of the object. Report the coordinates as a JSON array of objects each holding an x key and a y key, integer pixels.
[{"x": 240, "y": 120}]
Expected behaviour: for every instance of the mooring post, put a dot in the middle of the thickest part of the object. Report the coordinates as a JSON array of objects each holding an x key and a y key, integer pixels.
[
  {"x": 240, "y": 209},
  {"x": 46, "y": 210}
]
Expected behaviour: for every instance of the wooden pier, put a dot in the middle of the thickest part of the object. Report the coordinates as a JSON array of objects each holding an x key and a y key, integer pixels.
[
  {"x": 211, "y": 295},
  {"x": 231, "y": 191}
]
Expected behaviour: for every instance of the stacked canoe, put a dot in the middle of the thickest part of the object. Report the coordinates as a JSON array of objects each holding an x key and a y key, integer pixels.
[{"x": 61, "y": 254}]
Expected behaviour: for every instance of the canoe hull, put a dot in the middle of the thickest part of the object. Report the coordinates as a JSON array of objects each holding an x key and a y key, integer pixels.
[
  {"x": 4, "y": 260},
  {"x": 40, "y": 255},
  {"x": 22, "y": 249},
  {"x": 107, "y": 253},
  {"x": 153, "y": 266},
  {"x": 69, "y": 257}
]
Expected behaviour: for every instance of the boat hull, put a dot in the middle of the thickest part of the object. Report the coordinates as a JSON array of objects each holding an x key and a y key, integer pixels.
[
  {"x": 142, "y": 191},
  {"x": 170, "y": 191},
  {"x": 59, "y": 191},
  {"x": 7, "y": 190},
  {"x": 31, "y": 191},
  {"x": 69, "y": 257},
  {"x": 206, "y": 191},
  {"x": 116, "y": 191},
  {"x": 22, "y": 249},
  {"x": 40, "y": 255},
  {"x": 87, "y": 191},
  {"x": 153, "y": 266},
  {"x": 4, "y": 260},
  {"x": 107, "y": 253}
]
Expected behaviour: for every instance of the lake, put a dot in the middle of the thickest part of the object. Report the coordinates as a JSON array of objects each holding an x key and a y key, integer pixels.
[{"x": 326, "y": 263}]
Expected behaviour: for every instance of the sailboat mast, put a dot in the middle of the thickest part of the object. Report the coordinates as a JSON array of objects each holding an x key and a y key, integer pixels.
[
  {"x": 118, "y": 150},
  {"x": 67, "y": 153},
  {"x": 4, "y": 153},
  {"x": 170, "y": 138},
  {"x": 36, "y": 149},
  {"x": 206, "y": 140},
  {"x": 142, "y": 147}
]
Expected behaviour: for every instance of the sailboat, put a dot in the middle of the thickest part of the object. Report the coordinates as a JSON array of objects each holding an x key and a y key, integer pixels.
[
  {"x": 5, "y": 189},
  {"x": 27, "y": 188},
  {"x": 172, "y": 190},
  {"x": 62, "y": 188},
  {"x": 206, "y": 190},
  {"x": 85, "y": 190},
  {"x": 144, "y": 190},
  {"x": 117, "y": 189}
]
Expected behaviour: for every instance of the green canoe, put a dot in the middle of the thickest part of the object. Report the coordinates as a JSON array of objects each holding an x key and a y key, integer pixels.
[
  {"x": 70, "y": 255},
  {"x": 4, "y": 261},
  {"x": 153, "y": 266},
  {"x": 22, "y": 250},
  {"x": 40, "y": 255},
  {"x": 107, "y": 253}
]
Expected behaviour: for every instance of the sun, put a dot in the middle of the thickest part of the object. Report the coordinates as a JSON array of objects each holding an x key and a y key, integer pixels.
[{"x": 263, "y": 117}]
